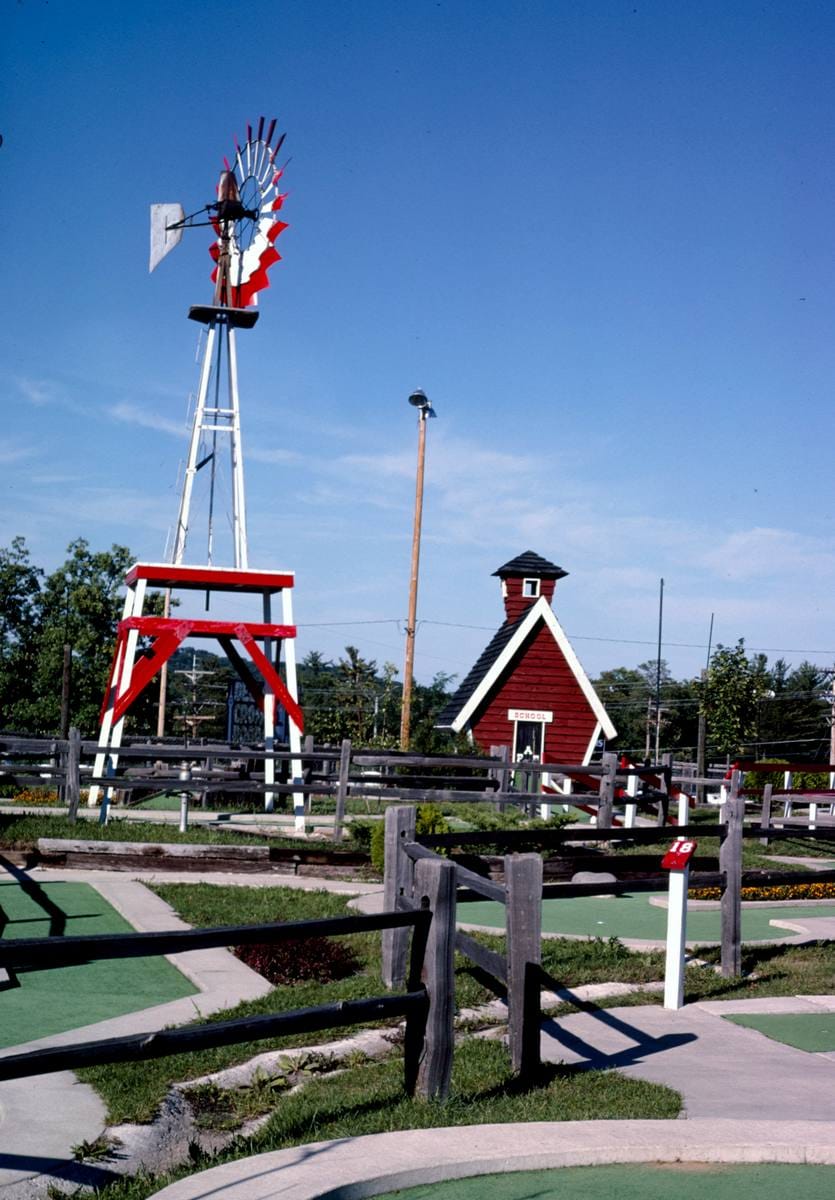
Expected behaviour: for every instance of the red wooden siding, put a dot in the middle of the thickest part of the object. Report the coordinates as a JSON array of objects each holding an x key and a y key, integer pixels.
[
  {"x": 539, "y": 677},
  {"x": 515, "y": 603}
]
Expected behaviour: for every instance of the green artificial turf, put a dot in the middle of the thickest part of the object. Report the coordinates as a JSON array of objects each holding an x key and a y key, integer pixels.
[
  {"x": 634, "y": 917},
  {"x": 814, "y": 1032},
  {"x": 650, "y": 1181},
  {"x": 51, "y": 1001}
]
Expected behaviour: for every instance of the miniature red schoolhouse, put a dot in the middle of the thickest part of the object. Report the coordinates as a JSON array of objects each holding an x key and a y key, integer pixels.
[{"x": 528, "y": 690}]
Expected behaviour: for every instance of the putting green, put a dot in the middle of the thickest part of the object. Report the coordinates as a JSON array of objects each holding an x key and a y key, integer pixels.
[
  {"x": 814, "y": 1032},
  {"x": 650, "y": 1181},
  {"x": 632, "y": 916},
  {"x": 52, "y": 1001}
]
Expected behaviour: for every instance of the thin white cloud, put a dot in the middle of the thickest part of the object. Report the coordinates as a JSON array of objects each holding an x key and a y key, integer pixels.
[
  {"x": 766, "y": 552},
  {"x": 131, "y": 414},
  {"x": 13, "y": 452},
  {"x": 39, "y": 392}
]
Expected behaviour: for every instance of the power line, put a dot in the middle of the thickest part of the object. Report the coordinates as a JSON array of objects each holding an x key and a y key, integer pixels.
[
  {"x": 576, "y": 637},
  {"x": 588, "y": 637}
]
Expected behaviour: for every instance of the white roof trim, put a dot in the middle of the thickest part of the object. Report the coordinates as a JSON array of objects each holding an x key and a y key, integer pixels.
[
  {"x": 592, "y": 745},
  {"x": 540, "y": 611}
]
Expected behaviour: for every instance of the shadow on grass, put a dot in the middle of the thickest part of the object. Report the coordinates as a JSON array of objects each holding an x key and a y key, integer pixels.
[{"x": 57, "y": 916}]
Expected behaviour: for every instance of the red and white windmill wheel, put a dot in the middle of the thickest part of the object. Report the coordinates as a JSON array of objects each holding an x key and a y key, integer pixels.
[{"x": 250, "y": 188}]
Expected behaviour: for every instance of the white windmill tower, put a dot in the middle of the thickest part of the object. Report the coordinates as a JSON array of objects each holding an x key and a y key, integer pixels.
[{"x": 245, "y": 217}]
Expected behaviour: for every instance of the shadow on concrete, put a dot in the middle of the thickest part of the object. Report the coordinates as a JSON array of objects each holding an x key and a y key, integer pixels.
[
  {"x": 31, "y": 1166},
  {"x": 643, "y": 1047}
]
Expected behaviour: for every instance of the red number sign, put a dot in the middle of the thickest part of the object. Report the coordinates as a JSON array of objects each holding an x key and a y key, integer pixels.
[{"x": 678, "y": 856}]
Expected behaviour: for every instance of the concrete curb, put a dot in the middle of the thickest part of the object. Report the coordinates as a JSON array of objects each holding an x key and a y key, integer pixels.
[{"x": 354, "y": 1168}]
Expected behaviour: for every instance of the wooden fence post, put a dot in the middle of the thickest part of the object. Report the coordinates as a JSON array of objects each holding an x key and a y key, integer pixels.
[
  {"x": 523, "y": 883},
  {"x": 435, "y": 881},
  {"x": 765, "y": 817},
  {"x": 730, "y": 862},
  {"x": 72, "y": 778},
  {"x": 397, "y": 881},
  {"x": 609, "y": 762},
  {"x": 342, "y": 789}
]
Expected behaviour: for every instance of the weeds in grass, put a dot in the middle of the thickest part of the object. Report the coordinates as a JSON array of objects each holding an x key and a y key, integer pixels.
[{"x": 97, "y": 1150}]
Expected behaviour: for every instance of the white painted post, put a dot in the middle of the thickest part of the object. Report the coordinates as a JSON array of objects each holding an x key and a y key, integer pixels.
[
  {"x": 683, "y": 808},
  {"x": 269, "y": 708},
  {"x": 788, "y": 781},
  {"x": 630, "y": 811},
  {"x": 567, "y": 789},
  {"x": 185, "y": 776},
  {"x": 676, "y": 938}
]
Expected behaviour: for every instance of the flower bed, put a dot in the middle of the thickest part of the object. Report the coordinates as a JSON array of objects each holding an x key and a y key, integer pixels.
[{"x": 787, "y": 891}]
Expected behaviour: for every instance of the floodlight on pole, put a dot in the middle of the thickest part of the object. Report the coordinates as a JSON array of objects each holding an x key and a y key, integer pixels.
[{"x": 419, "y": 400}]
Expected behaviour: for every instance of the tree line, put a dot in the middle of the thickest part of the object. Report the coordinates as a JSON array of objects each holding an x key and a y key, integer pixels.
[{"x": 747, "y": 706}]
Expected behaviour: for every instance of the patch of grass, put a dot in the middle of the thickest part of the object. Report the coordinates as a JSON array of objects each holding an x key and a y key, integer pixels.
[
  {"x": 766, "y": 971},
  {"x": 22, "y": 833},
  {"x": 370, "y": 1099}
]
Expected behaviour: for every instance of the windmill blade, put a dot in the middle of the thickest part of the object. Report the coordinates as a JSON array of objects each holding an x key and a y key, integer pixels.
[{"x": 163, "y": 238}]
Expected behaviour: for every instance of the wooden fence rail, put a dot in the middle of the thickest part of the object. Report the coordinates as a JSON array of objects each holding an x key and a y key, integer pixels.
[
  {"x": 426, "y": 1002},
  {"x": 339, "y": 773}
]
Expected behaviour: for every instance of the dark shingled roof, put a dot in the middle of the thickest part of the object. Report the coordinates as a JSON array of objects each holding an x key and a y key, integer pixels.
[
  {"x": 481, "y": 668},
  {"x": 530, "y": 565}
]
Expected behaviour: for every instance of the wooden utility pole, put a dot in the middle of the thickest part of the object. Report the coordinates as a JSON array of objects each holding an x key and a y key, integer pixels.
[
  {"x": 419, "y": 400},
  {"x": 66, "y": 685}
]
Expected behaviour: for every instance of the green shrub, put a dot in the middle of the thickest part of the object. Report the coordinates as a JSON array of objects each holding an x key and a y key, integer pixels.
[
  {"x": 378, "y": 846},
  {"x": 483, "y": 817},
  {"x": 360, "y": 832},
  {"x": 428, "y": 819},
  {"x": 809, "y": 781}
]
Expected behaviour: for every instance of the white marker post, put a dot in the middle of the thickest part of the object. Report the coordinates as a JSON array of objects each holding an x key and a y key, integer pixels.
[
  {"x": 677, "y": 862},
  {"x": 185, "y": 776}
]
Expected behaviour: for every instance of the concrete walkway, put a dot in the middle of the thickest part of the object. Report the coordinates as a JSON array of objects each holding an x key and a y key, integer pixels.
[{"x": 720, "y": 1069}]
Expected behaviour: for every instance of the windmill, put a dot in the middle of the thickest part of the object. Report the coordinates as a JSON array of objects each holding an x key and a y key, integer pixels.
[{"x": 245, "y": 219}]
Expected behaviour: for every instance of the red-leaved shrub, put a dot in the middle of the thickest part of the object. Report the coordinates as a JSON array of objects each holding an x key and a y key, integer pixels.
[{"x": 293, "y": 961}]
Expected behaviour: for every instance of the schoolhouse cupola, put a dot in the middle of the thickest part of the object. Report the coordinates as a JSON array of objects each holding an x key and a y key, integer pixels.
[{"x": 526, "y": 578}]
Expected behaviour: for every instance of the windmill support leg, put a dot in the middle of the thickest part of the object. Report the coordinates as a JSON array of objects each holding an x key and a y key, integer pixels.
[
  {"x": 194, "y": 446},
  {"x": 110, "y": 736},
  {"x": 269, "y": 718},
  {"x": 236, "y": 449},
  {"x": 295, "y": 736}
]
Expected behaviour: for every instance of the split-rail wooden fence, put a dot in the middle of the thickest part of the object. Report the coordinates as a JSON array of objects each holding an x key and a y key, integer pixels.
[{"x": 423, "y": 1001}]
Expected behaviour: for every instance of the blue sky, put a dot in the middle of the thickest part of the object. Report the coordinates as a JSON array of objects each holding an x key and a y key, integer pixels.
[{"x": 599, "y": 235}]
